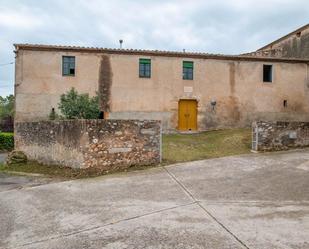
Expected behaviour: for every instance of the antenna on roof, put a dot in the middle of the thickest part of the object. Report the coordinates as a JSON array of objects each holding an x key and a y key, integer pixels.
[{"x": 120, "y": 43}]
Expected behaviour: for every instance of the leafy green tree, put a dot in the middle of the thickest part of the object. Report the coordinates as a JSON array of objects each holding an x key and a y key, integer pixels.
[
  {"x": 79, "y": 106},
  {"x": 7, "y": 106}
]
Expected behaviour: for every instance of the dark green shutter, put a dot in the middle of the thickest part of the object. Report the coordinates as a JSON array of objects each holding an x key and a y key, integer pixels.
[
  {"x": 188, "y": 64},
  {"x": 144, "y": 61}
]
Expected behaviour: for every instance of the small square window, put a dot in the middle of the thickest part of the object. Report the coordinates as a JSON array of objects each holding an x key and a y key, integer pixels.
[
  {"x": 144, "y": 68},
  {"x": 285, "y": 103},
  {"x": 187, "y": 70},
  {"x": 68, "y": 65},
  {"x": 267, "y": 73}
]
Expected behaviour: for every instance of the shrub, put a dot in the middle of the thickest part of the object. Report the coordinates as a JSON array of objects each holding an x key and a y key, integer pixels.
[
  {"x": 79, "y": 106},
  {"x": 6, "y": 141}
]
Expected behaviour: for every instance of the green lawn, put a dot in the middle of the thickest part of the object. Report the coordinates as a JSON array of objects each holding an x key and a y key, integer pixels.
[
  {"x": 210, "y": 144},
  {"x": 176, "y": 148}
]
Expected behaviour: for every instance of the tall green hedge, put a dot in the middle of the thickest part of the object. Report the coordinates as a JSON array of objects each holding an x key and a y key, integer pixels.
[{"x": 6, "y": 141}]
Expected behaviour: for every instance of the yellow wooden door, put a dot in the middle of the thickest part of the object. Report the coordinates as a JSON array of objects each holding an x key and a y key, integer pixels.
[{"x": 187, "y": 115}]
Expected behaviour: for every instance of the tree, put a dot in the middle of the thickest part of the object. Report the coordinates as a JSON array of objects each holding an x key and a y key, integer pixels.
[
  {"x": 79, "y": 106},
  {"x": 7, "y": 107}
]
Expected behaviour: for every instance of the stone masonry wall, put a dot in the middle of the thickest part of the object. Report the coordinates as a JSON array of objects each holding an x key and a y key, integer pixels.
[
  {"x": 102, "y": 144},
  {"x": 273, "y": 136}
]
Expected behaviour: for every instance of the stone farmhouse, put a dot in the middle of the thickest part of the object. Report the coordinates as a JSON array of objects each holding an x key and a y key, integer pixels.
[{"x": 187, "y": 91}]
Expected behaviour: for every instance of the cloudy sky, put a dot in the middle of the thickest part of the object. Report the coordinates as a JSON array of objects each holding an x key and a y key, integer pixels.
[{"x": 214, "y": 26}]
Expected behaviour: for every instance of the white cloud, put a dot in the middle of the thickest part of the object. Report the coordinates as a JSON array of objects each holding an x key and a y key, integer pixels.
[
  {"x": 17, "y": 20},
  {"x": 215, "y": 26}
]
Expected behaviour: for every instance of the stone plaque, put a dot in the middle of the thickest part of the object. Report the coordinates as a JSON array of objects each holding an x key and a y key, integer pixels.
[
  {"x": 188, "y": 89},
  {"x": 292, "y": 134}
]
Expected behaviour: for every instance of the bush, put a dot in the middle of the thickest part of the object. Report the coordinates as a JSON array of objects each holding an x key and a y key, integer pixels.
[
  {"x": 79, "y": 106},
  {"x": 6, "y": 141}
]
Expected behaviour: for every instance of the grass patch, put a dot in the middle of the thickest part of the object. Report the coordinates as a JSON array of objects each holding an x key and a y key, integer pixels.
[{"x": 210, "y": 144}]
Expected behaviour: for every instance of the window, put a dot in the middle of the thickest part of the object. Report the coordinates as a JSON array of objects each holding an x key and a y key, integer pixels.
[
  {"x": 285, "y": 103},
  {"x": 267, "y": 73},
  {"x": 187, "y": 70},
  {"x": 144, "y": 68},
  {"x": 68, "y": 65},
  {"x": 101, "y": 115}
]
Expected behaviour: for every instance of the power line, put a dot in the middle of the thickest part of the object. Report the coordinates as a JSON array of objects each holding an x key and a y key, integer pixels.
[{"x": 5, "y": 64}]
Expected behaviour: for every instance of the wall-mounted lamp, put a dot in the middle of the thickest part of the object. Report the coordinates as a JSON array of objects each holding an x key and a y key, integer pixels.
[{"x": 213, "y": 103}]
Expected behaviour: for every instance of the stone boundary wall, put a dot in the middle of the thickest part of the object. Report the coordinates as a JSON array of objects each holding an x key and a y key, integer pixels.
[
  {"x": 103, "y": 144},
  {"x": 274, "y": 136}
]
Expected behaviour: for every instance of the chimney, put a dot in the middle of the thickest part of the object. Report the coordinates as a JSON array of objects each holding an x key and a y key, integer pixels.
[{"x": 120, "y": 43}]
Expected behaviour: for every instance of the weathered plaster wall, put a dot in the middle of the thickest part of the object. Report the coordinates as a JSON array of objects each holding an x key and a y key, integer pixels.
[
  {"x": 102, "y": 144},
  {"x": 272, "y": 136},
  {"x": 39, "y": 81},
  {"x": 237, "y": 87}
]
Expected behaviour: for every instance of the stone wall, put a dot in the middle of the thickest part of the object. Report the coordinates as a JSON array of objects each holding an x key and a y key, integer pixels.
[
  {"x": 273, "y": 136},
  {"x": 102, "y": 144}
]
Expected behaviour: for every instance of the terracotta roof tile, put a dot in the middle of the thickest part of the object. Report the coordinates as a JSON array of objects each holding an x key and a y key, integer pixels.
[{"x": 198, "y": 55}]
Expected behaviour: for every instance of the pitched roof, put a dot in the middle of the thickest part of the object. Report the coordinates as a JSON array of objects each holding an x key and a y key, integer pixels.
[
  {"x": 286, "y": 36},
  {"x": 197, "y": 55}
]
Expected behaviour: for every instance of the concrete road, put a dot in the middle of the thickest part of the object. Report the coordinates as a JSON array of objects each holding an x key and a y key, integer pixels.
[
  {"x": 253, "y": 201},
  {"x": 13, "y": 181}
]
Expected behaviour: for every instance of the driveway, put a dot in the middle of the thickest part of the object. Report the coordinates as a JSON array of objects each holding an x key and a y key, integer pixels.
[{"x": 251, "y": 201}]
